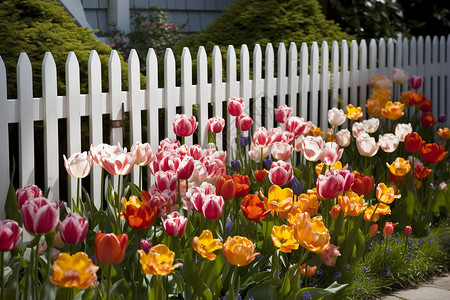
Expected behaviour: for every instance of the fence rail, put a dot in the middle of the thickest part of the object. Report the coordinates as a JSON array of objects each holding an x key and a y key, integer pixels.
[{"x": 309, "y": 79}]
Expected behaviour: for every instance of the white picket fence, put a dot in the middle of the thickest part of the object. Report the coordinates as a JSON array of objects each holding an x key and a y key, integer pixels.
[{"x": 308, "y": 82}]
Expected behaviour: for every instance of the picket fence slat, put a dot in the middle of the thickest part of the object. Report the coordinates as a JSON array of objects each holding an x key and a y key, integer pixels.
[{"x": 307, "y": 80}]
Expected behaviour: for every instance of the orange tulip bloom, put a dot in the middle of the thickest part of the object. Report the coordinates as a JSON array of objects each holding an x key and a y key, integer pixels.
[
  {"x": 73, "y": 271},
  {"x": 311, "y": 270},
  {"x": 283, "y": 238},
  {"x": 354, "y": 113},
  {"x": 444, "y": 133},
  {"x": 432, "y": 153},
  {"x": 314, "y": 131},
  {"x": 225, "y": 187},
  {"x": 310, "y": 233},
  {"x": 158, "y": 261},
  {"x": 382, "y": 210},
  {"x": 308, "y": 203},
  {"x": 260, "y": 175},
  {"x": 335, "y": 211},
  {"x": 278, "y": 200},
  {"x": 205, "y": 245},
  {"x": 412, "y": 98},
  {"x": 420, "y": 171},
  {"x": 400, "y": 167},
  {"x": 241, "y": 184},
  {"x": 239, "y": 251},
  {"x": 386, "y": 195},
  {"x": 377, "y": 101},
  {"x": 253, "y": 208},
  {"x": 352, "y": 204},
  {"x": 393, "y": 110},
  {"x": 138, "y": 213},
  {"x": 109, "y": 248}
]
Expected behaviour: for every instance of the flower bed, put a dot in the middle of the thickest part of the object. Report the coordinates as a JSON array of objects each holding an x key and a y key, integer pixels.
[{"x": 293, "y": 216}]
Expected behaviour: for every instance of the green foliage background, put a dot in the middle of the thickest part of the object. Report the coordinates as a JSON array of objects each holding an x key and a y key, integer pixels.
[{"x": 38, "y": 26}]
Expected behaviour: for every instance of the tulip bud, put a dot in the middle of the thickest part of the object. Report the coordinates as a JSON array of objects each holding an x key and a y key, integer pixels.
[
  {"x": 212, "y": 206},
  {"x": 373, "y": 230},
  {"x": 308, "y": 270},
  {"x": 73, "y": 229},
  {"x": 79, "y": 165},
  {"x": 184, "y": 125},
  {"x": 42, "y": 247},
  {"x": 408, "y": 231},
  {"x": 145, "y": 245},
  {"x": 29, "y": 191},
  {"x": 225, "y": 187},
  {"x": 235, "y": 106},
  {"x": 216, "y": 124},
  {"x": 109, "y": 248},
  {"x": 442, "y": 118},
  {"x": 335, "y": 211},
  {"x": 343, "y": 138},
  {"x": 186, "y": 168},
  {"x": 244, "y": 122},
  {"x": 40, "y": 215},
  {"x": 388, "y": 229},
  {"x": 336, "y": 117},
  {"x": 9, "y": 235},
  {"x": 236, "y": 165},
  {"x": 280, "y": 173},
  {"x": 174, "y": 224},
  {"x": 415, "y": 82}
]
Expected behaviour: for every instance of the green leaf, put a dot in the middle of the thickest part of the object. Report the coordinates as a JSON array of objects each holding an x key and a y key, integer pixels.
[
  {"x": 262, "y": 291},
  {"x": 11, "y": 208}
]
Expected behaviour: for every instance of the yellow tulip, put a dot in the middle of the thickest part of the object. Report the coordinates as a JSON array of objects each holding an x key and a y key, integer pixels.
[
  {"x": 382, "y": 210},
  {"x": 311, "y": 234},
  {"x": 393, "y": 110},
  {"x": 283, "y": 238},
  {"x": 444, "y": 133},
  {"x": 73, "y": 271},
  {"x": 352, "y": 204},
  {"x": 386, "y": 195},
  {"x": 354, "y": 113},
  {"x": 239, "y": 251},
  {"x": 158, "y": 261},
  {"x": 205, "y": 245},
  {"x": 400, "y": 167},
  {"x": 278, "y": 199}
]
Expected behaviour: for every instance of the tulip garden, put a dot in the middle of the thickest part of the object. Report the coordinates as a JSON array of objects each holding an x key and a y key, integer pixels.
[{"x": 300, "y": 212}]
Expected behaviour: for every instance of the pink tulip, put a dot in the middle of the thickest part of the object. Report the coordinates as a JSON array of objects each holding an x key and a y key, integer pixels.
[
  {"x": 331, "y": 154},
  {"x": 235, "y": 106},
  {"x": 408, "y": 231},
  {"x": 78, "y": 165},
  {"x": 357, "y": 129},
  {"x": 168, "y": 145},
  {"x": 166, "y": 180},
  {"x": 388, "y": 229},
  {"x": 255, "y": 153},
  {"x": 415, "y": 82},
  {"x": 119, "y": 164},
  {"x": 371, "y": 125},
  {"x": 73, "y": 229},
  {"x": 279, "y": 135},
  {"x": 261, "y": 137},
  {"x": 244, "y": 122},
  {"x": 186, "y": 168},
  {"x": 212, "y": 206},
  {"x": 295, "y": 125},
  {"x": 329, "y": 256},
  {"x": 29, "y": 191},
  {"x": 174, "y": 224},
  {"x": 216, "y": 124},
  {"x": 343, "y": 138},
  {"x": 281, "y": 151},
  {"x": 103, "y": 150},
  {"x": 331, "y": 184},
  {"x": 40, "y": 215},
  {"x": 367, "y": 146},
  {"x": 336, "y": 117},
  {"x": 388, "y": 142},
  {"x": 312, "y": 147},
  {"x": 196, "y": 194},
  {"x": 282, "y": 113},
  {"x": 348, "y": 178},
  {"x": 373, "y": 230},
  {"x": 184, "y": 125},
  {"x": 165, "y": 201},
  {"x": 195, "y": 151},
  {"x": 280, "y": 173},
  {"x": 9, "y": 235},
  {"x": 399, "y": 76},
  {"x": 143, "y": 154},
  {"x": 146, "y": 245},
  {"x": 402, "y": 130}
]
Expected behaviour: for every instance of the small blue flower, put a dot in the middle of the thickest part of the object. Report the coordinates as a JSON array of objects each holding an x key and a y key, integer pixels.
[
  {"x": 319, "y": 272},
  {"x": 236, "y": 165},
  {"x": 347, "y": 267},
  {"x": 267, "y": 164},
  {"x": 430, "y": 241},
  {"x": 296, "y": 186},
  {"x": 306, "y": 296},
  {"x": 229, "y": 226},
  {"x": 428, "y": 231},
  {"x": 387, "y": 271},
  {"x": 350, "y": 169},
  {"x": 364, "y": 269},
  {"x": 245, "y": 140},
  {"x": 388, "y": 250},
  {"x": 337, "y": 276}
]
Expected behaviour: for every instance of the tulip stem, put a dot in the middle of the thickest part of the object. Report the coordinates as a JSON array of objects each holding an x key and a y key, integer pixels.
[
  {"x": 108, "y": 282},
  {"x": 140, "y": 177},
  {"x": 79, "y": 196},
  {"x": 118, "y": 205},
  {"x": 306, "y": 273},
  {"x": 102, "y": 188},
  {"x": 36, "y": 269},
  {"x": 233, "y": 281}
]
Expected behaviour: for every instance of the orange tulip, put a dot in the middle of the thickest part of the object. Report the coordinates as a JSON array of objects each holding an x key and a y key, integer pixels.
[
  {"x": 253, "y": 208},
  {"x": 283, "y": 238},
  {"x": 239, "y": 251},
  {"x": 308, "y": 203},
  {"x": 311, "y": 270},
  {"x": 311, "y": 234},
  {"x": 377, "y": 101},
  {"x": 352, "y": 204},
  {"x": 386, "y": 195},
  {"x": 354, "y": 113},
  {"x": 444, "y": 133},
  {"x": 313, "y": 131},
  {"x": 260, "y": 175},
  {"x": 400, "y": 167},
  {"x": 158, "y": 260},
  {"x": 225, "y": 187},
  {"x": 241, "y": 184},
  {"x": 138, "y": 213},
  {"x": 109, "y": 248},
  {"x": 73, "y": 271},
  {"x": 335, "y": 211},
  {"x": 393, "y": 110}
]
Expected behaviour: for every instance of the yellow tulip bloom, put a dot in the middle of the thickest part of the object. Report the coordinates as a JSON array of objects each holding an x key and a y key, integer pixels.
[
  {"x": 158, "y": 261},
  {"x": 278, "y": 199},
  {"x": 393, "y": 110},
  {"x": 444, "y": 133},
  {"x": 205, "y": 245},
  {"x": 74, "y": 271},
  {"x": 283, "y": 238},
  {"x": 352, "y": 204},
  {"x": 400, "y": 167},
  {"x": 354, "y": 113},
  {"x": 382, "y": 210},
  {"x": 310, "y": 233},
  {"x": 386, "y": 195},
  {"x": 239, "y": 251}
]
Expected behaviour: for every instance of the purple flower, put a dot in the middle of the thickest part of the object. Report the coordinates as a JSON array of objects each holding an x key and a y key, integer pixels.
[
  {"x": 296, "y": 186},
  {"x": 236, "y": 165},
  {"x": 442, "y": 118},
  {"x": 337, "y": 276},
  {"x": 306, "y": 296}
]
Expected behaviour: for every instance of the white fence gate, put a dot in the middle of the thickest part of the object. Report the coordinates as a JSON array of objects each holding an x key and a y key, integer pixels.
[{"x": 308, "y": 82}]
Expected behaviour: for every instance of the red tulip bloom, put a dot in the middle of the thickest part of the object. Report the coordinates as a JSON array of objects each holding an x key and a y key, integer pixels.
[
  {"x": 427, "y": 119},
  {"x": 109, "y": 248},
  {"x": 9, "y": 235},
  {"x": 413, "y": 142},
  {"x": 241, "y": 184},
  {"x": 260, "y": 175},
  {"x": 40, "y": 215},
  {"x": 432, "y": 153},
  {"x": 363, "y": 184},
  {"x": 225, "y": 187},
  {"x": 426, "y": 106},
  {"x": 420, "y": 171},
  {"x": 73, "y": 229},
  {"x": 388, "y": 229}
]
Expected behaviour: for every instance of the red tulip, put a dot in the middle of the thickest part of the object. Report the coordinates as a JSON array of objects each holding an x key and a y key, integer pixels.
[
  {"x": 388, "y": 229},
  {"x": 432, "y": 153},
  {"x": 413, "y": 142},
  {"x": 40, "y": 215},
  {"x": 174, "y": 224},
  {"x": 253, "y": 208},
  {"x": 363, "y": 184},
  {"x": 415, "y": 82},
  {"x": 212, "y": 206},
  {"x": 29, "y": 191},
  {"x": 280, "y": 173},
  {"x": 73, "y": 229},
  {"x": 241, "y": 184},
  {"x": 186, "y": 168},
  {"x": 184, "y": 125},
  {"x": 225, "y": 187},
  {"x": 9, "y": 235},
  {"x": 244, "y": 122},
  {"x": 373, "y": 230},
  {"x": 427, "y": 119},
  {"x": 216, "y": 124},
  {"x": 109, "y": 248},
  {"x": 408, "y": 231},
  {"x": 235, "y": 106},
  {"x": 426, "y": 106},
  {"x": 166, "y": 180},
  {"x": 260, "y": 175}
]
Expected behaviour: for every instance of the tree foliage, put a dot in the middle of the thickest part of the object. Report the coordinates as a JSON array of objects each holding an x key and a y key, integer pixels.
[{"x": 35, "y": 27}]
